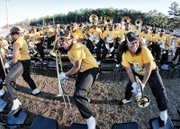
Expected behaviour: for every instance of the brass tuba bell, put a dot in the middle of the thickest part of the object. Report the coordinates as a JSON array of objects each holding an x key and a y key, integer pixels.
[
  {"x": 144, "y": 101},
  {"x": 138, "y": 22},
  {"x": 93, "y": 19},
  {"x": 108, "y": 20},
  {"x": 126, "y": 19}
]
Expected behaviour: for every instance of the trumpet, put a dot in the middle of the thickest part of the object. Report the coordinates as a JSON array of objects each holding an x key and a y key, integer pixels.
[
  {"x": 93, "y": 19},
  {"x": 138, "y": 22},
  {"x": 144, "y": 101}
]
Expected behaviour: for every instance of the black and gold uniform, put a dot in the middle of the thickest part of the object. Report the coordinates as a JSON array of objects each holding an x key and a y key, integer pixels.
[
  {"x": 138, "y": 61},
  {"x": 86, "y": 66},
  {"x": 177, "y": 53},
  {"x": 20, "y": 66},
  {"x": 95, "y": 36}
]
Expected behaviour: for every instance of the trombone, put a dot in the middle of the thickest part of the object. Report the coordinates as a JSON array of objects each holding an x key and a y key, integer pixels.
[
  {"x": 55, "y": 47},
  {"x": 60, "y": 90},
  {"x": 144, "y": 101}
]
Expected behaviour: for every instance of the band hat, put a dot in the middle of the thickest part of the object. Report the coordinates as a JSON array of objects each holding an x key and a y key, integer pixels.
[
  {"x": 130, "y": 37},
  {"x": 14, "y": 30}
]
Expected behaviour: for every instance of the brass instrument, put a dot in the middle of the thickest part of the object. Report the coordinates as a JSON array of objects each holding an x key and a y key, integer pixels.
[
  {"x": 138, "y": 22},
  {"x": 144, "y": 101},
  {"x": 60, "y": 89},
  {"x": 55, "y": 46},
  {"x": 93, "y": 19},
  {"x": 126, "y": 19},
  {"x": 108, "y": 20}
]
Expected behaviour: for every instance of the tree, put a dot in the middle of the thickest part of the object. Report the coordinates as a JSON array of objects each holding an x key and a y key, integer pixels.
[
  {"x": 174, "y": 14},
  {"x": 174, "y": 10}
]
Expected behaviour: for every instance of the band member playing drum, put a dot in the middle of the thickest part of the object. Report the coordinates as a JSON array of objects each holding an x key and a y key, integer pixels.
[
  {"x": 20, "y": 65},
  {"x": 86, "y": 66},
  {"x": 138, "y": 61}
]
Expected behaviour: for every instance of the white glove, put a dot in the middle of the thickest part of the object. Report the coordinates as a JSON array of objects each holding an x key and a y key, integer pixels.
[
  {"x": 112, "y": 49},
  {"x": 107, "y": 46},
  {"x": 136, "y": 90},
  {"x": 63, "y": 77}
]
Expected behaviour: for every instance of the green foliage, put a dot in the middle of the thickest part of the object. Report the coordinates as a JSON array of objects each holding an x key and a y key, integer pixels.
[{"x": 152, "y": 18}]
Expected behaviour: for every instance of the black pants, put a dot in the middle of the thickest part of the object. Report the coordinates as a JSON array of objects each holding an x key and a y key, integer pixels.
[
  {"x": 50, "y": 41},
  {"x": 157, "y": 88},
  {"x": 2, "y": 75},
  {"x": 177, "y": 54},
  {"x": 40, "y": 50},
  {"x": 156, "y": 51},
  {"x": 106, "y": 51},
  {"x": 21, "y": 68},
  {"x": 83, "y": 85}
]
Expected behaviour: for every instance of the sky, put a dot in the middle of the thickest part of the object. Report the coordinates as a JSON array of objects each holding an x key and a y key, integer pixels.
[{"x": 19, "y": 10}]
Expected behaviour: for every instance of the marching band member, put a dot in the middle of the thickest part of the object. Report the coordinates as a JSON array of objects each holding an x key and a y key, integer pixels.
[
  {"x": 50, "y": 36},
  {"x": 96, "y": 39},
  {"x": 138, "y": 61},
  {"x": 2, "y": 68},
  {"x": 77, "y": 34},
  {"x": 177, "y": 53},
  {"x": 166, "y": 44},
  {"x": 35, "y": 35},
  {"x": 146, "y": 37},
  {"x": 20, "y": 66},
  {"x": 109, "y": 36},
  {"x": 86, "y": 66},
  {"x": 155, "y": 46},
  {"x": 2, "y": 76}
]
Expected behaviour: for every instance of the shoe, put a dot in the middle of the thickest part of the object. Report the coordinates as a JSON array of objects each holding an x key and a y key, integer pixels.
[
  {"x": 124, "y": 101},
  {"x": 91, "y": 123},
  {"x": 35, "y": 91},
  {"x": 2, "y": 92},
  {"x": 15, "y": 107}
]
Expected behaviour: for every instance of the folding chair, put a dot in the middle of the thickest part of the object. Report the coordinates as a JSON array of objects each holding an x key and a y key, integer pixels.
[
  {"x": 13, "y": 121},
  {"x": 80, "y": 126},
  {"x": 41, "y": 122},
  {"x": 130, "y": 125},
  {"x": 108, "y": 65},
  {"x": 154, "y": 123},
  {"x": 2, "y": 105}
]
